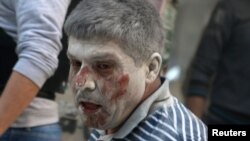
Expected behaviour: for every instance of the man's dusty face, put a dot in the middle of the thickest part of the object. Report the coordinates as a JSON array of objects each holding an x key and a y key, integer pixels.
[{"x": 106, "y": 83}]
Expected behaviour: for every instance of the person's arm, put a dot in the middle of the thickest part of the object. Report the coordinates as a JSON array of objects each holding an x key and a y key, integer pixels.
[
  {"x": 39, "y": 29},
  {"x": 206, "y": 60},
  {"x": 197, "y": 105},
  {"x": 17, "y": 94}
]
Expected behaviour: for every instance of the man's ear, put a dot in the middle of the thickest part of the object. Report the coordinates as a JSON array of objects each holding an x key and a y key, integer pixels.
[{"x": 153, "y": 67}]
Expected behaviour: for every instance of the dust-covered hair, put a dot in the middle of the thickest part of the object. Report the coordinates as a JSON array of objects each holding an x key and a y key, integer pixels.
[{"x": 133, "y": 24}]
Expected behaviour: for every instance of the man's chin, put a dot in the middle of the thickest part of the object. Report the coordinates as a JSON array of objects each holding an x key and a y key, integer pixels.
[{"x": 91, "y": 123}]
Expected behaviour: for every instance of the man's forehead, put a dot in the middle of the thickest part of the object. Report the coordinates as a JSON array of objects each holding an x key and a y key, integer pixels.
[
  {"x": 78, "y": 43},
  {"x": 79, "y": 49}
]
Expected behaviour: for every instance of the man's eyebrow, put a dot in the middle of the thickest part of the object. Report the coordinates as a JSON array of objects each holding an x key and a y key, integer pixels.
[
  {"x": 69, "y": 55},
  {"x": 97, "y": 56},
  {"x": 101, "y": 56}
]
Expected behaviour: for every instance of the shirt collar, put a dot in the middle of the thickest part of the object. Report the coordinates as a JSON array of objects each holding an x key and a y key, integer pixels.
[{"x": 155, "y": 100}]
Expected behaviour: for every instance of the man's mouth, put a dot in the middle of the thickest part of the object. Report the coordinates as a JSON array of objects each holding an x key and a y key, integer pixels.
[{"x": 88, "y": 107}]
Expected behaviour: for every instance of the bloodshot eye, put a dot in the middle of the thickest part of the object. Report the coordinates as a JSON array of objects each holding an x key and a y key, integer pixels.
[
  {"x": 104, "y": 67},
  {"x": 76, "y": 63}
]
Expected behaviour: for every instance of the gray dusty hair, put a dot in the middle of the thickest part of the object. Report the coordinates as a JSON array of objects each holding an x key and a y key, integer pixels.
[{"x": 134, "y": 24}]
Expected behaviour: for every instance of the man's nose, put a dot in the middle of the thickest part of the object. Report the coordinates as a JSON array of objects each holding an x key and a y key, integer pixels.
[{"x": 84, "y": 80}]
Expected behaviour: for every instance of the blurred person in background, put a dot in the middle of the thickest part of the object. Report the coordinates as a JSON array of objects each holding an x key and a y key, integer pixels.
[
  {"x": 115, "y": 49},
  {"x": 31, "y": 32},
  {"x": 218, "y": 81}
]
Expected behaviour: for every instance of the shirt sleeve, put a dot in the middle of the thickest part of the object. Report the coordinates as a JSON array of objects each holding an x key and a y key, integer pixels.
[
  {"x": 206, "y": 60},
  {"x": 39, "y": 29}
]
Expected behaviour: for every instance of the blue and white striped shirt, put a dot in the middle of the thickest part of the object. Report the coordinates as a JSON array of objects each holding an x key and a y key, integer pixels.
[{"x": 161, "y": 117}]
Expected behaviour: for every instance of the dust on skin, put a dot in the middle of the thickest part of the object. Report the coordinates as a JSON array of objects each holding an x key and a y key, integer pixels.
[
  {"x": 81, "y": 77},
  {"x": 112, "y": 88},
  {"x": 115, "y": 78}
]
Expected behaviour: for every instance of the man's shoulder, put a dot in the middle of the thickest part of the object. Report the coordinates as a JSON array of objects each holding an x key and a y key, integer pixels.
[
  {"x": 172, "y": 122},
  {"x": 167, "y": 122}
]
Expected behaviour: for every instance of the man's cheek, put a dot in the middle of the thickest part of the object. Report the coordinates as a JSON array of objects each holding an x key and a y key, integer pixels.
[
  {"x": 71, "y": 77},
  {"x": 106, "y": 88},
  {"x": 121, "y": 87},
  {"x": 123, "y": 83},
  {"x": 73, "y": 84}
]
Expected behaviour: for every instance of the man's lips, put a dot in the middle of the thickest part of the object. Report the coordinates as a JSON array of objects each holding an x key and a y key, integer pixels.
[{"x": 88, "y": 107}]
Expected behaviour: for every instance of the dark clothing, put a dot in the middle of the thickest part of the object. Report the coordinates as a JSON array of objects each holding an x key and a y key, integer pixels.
[
  {"x": 8, "y": 58},
  {"x": 223, "y": 62}
]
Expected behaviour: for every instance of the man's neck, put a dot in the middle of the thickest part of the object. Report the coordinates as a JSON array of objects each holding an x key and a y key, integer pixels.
[
  {"x": 150, "y": 89},
  {"x": 111, "y": 131}
]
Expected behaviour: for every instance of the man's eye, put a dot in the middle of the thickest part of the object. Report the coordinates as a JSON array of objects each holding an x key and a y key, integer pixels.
[
  {"x": 103, "y": 66},
  {"x": 76, "y": 63}
]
